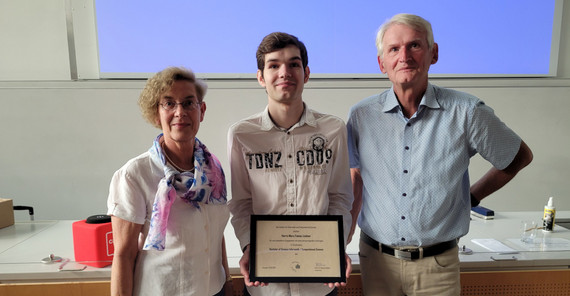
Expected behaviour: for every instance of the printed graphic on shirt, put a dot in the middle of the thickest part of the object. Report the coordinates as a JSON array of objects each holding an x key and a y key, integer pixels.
[{"x": 314, "y": 157}]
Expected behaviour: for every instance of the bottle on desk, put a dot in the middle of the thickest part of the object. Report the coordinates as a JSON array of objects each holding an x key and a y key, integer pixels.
[{"x": 549, "y": 215}]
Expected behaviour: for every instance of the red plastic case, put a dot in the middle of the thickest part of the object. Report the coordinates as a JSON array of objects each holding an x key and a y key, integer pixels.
[{"x": 93, "y": 243}]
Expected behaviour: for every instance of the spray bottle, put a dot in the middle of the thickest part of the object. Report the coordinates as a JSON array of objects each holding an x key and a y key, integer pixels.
[{"x": 549, "y": 214}]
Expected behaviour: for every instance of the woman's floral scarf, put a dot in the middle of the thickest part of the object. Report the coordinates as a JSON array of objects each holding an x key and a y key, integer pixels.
[{"x": 206, "y": 185}]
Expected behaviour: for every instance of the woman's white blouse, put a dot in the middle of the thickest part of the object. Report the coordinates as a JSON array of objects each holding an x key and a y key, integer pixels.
[{"x": 191, "y": 264}]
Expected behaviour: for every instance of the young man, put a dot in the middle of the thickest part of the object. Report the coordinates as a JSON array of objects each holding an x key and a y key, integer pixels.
[
  {"x": 288, "y": 159},
  {"x": 409, "y": 154}
]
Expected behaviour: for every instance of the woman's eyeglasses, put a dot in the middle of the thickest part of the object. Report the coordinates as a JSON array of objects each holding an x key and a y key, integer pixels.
[{"x": 186, "y": 105}]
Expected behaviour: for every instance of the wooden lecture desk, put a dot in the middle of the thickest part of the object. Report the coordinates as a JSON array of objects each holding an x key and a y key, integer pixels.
[{"x": 538, "y": 268}]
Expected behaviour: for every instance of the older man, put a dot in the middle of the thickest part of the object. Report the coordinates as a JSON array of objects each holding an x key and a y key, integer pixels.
[{"x": 409, "y": 153}]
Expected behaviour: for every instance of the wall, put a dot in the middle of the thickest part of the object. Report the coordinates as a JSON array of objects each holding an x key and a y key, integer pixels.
[
  {"x": 34, "y": 40},
  {"x": 63, "y": 139}
]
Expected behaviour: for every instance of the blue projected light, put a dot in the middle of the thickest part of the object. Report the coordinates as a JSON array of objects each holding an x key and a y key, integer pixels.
[{"x": 485, "y": 37}]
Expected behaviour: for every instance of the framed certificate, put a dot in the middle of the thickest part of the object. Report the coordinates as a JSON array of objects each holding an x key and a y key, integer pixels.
[{"x": 297, "y": 249}]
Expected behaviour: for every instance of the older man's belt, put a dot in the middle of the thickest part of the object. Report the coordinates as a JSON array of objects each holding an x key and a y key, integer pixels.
[{"x": 409, "y": 253}]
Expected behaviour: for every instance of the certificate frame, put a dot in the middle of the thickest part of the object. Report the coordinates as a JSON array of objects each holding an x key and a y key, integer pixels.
[{"x": 297, "y": 249}]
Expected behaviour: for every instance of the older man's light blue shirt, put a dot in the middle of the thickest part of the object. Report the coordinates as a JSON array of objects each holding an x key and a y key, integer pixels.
[{"x": 415, "y": 171}]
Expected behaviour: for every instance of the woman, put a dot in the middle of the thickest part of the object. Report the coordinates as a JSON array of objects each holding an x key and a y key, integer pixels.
[{"x": 168, "y": 205}]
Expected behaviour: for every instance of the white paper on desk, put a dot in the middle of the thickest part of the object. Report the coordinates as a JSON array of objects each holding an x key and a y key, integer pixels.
[{"x": 494, "y": 245}]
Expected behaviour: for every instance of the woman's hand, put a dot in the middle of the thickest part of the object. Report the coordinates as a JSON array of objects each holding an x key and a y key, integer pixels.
[{"x": 125, "y": 241}]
